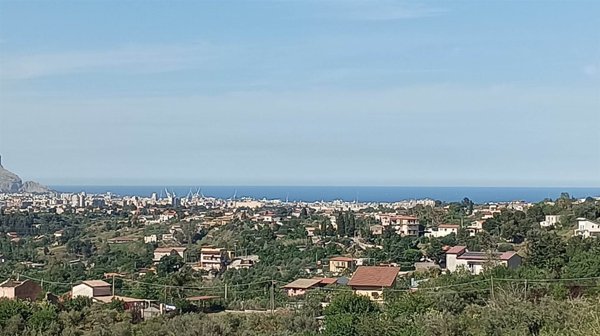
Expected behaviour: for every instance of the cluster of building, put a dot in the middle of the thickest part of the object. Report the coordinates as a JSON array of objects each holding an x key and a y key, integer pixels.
[
  {"x": 211, "y": 259},
  {"x": 372, "y": 281}
]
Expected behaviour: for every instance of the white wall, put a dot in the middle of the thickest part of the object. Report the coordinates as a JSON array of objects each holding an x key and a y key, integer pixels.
[{"x": 82, "y": 290}]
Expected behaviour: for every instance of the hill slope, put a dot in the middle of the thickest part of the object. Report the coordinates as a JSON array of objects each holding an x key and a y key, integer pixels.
[{"x": 12, "y": 183}]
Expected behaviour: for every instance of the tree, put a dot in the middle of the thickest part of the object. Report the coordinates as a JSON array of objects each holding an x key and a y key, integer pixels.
[
  {"x": 348, "y": 303},
  {"x": 546, "y": 250},
  {"x": 342, "y": 314},
  {"x": 41, "y": 318},
  {"x": 10, "y": 308},
  {"x": 190, "y": 232},
  {"x": 340, "y": 221},
  {"x": 434, "y": 251},
  {"x": 468, "y": 206},
  {"x": 169, "y": 264},
  {"x": 78, "y": 303},
  {"x": 350, "y": 223},
  {"x": 303, "y": 213}
]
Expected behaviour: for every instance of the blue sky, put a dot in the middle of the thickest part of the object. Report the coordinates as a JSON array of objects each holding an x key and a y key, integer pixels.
[{"x": 471, "y": 93}]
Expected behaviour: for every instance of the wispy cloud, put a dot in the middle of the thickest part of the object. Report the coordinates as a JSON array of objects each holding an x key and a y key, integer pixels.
[{"x": 128, "y": 59}]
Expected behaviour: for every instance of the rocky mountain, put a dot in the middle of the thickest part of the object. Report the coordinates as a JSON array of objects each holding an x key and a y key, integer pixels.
[
  {"x": 12, "y": 183},
  {"x": 34, "y": 188}
]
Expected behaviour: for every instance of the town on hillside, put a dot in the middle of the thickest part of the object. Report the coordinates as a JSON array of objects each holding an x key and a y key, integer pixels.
[{"x": 163, "y": 255}]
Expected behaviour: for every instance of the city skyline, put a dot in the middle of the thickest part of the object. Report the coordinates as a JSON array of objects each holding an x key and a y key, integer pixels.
[{"x": 301, "y": 93}]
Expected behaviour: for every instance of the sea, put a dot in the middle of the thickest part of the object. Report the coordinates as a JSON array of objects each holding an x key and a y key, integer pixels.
[{"x": 346, "y": 193}]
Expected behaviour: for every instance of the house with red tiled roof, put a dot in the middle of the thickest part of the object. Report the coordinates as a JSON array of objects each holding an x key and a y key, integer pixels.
[
  {"x": 370, "y": 281},
  {"x": 458, "y": 257},
  {"x": 326, "y": 281}
]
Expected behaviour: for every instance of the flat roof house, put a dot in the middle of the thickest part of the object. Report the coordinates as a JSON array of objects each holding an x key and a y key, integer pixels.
[
  {"x": 376, "y": 230},
  {"x": 587, "y": 228},
  {"x": 442, "y": 230},
  {"x": 459, "y": 257},
  {"x": 244, "y": 262},
  {"x": 160, "y": 252},
  {"x": 338, "y": 265},
  {"x": 370, "y": 281},
  {"x": 212, "y": 258},
  {"x": 404, "y": 225},
  {"x": 550, "y": 220}
]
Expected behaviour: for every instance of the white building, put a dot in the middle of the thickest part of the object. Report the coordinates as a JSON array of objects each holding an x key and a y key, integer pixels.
[
  {"x": 551, "y": 220},
  {"x": 150, "y": 239},
  {"x": 161, "y": 252},
  {"x": 475, "y": 227},
  {"x": 212, "y": 258},
  {"x": 244, "y": 262},
  {"x": 458, "y": 257},
  {"x": 403, "y": 225},
  {"x": 442, "y": 230},
  {"x": 92, "y": 289},
  {"x": 587, "y": 228}
]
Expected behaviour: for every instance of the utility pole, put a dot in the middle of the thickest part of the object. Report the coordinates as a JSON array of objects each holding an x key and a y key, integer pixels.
[
  {"x": 113, "y": 285},
  {"x": 526, "y": 288},
  {"x": 272, "y": 296},
  {"x": 225, "y": 292},
  {"x": 492, "y": 285}
]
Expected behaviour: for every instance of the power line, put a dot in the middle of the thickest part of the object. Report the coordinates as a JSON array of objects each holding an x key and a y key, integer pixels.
[
  {"x": 548, "y": 280},
  {"x": 147, "y": 283},
  {"x": 455, "y": 285}
]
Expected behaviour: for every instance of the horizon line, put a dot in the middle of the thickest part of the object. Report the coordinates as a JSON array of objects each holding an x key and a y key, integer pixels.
[{"x": 319, "y": 186}]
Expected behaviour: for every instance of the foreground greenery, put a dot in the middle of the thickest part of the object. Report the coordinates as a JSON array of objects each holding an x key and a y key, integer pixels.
[
  {"x": 555, "y": 292},
  {"x": 553, "y": 310}
]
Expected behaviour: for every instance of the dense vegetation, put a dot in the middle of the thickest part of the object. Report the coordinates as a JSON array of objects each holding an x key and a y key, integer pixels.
[{"x": 554, "y": 292}]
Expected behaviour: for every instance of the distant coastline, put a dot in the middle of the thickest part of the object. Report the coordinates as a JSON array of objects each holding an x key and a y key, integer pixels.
[{"x": 347, "y": 193}]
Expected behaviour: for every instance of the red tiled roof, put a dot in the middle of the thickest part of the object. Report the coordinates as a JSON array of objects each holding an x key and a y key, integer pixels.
[
  {"x": 456, "y": 250},
  {"x": 507, "y": 255},
  {"x": 341, "y": 259},
  {"x": 374, "y": 276},
  {"x": 327, "y": 281},
  {"x": 449, "y": 226}
]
